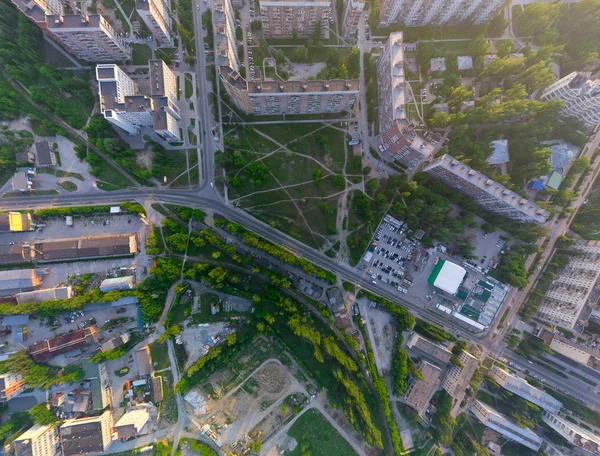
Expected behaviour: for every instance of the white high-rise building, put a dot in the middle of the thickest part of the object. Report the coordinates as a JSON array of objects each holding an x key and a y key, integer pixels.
[
  {"x": 157, "y": 16},
  {"x": 225, "y": 42},
  {"x": 484, "y": 191},
  {"x": 572, "y": 433},
  {"x": 352, "y": 12},
  {"x": 89, "y": 38},
  {"x": 37, "y": 441},
  {"x": 417, "y": 13},
  {"x": 301, "y": 18},
  {"x": 581, "y": 96},
  {"x": 124, "y": 107},
  {"x": 390, "y": 82},
  {"x": 571, "y": 288}
]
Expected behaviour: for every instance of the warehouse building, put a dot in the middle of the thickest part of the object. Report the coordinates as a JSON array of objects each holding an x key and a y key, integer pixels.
[
  {"x": 18, "y": 280},
  {"x": 447, "y": 276},
  {"x": 49, "y": 348}
]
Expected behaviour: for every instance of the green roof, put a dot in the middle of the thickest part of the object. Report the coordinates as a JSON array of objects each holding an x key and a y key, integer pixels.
[
  {"x": 436, "y": 271},
  {"x": 92, "y": 372},
  {"x": 554, "y": 181},
  {"x": 462, "y": 294}
]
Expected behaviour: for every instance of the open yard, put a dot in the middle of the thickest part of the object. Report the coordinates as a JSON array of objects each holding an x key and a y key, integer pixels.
[{"x": 315, "y": 436}]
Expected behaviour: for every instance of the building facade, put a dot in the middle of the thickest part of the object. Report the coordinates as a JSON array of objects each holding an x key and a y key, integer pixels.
[
  {"x": 156, "y": 14},
  {"x": 90, "y": 38},
  {"x": 501, "y": 424},
  {"x": 571, "y": 288},
  {"x": 37, "y": 441},
  {"x": 289, "y": 97},
  {"x": 295, "y": 18},
  {"x": 520, "y": 387},
  {"x": 390, "y": 82},
  {"x": 352, "y": 12},
  {"x": 86, "y": 435},
  {"x": 10, "y": 386},
  {"x": 123, "y": 106},
  {"x": 37, "y": 10},
  {"x": 224, "y": 28},
  {"x": 418, "y": 13},
  {"x": 573, "y": 433},
  {"x": 456, "y": 380},
  {"x": 485, "y": 192},
  {"x": 581, "y": 96}
]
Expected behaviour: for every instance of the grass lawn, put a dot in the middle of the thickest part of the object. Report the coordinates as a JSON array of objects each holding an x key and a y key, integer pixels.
[
  {"x": 112, "y": 179},
  {"x": 165, "y": 54},
  {"x": 30, "y": 193},
  {"x": 175, "y": 165},
  {"x": 141, "y": 53},
  {"x": 315, "y": 434},
  {"x": 205, "y": 315},
  {"x": 68, "y": 186},
  {"x": 168, "y": 406},
  {"x": 189, "y": 88},
  {"x": 160, "y": 356},
  {"x": 288, "y": 132}
]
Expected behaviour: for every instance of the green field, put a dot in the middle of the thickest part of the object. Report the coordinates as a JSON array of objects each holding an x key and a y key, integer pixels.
[
  {"x": 315, "y": 436},
  {"x": 160, "y": 356}
]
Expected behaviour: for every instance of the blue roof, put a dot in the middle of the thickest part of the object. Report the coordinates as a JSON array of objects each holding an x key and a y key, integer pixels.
[{"x": 538, "y": 185}]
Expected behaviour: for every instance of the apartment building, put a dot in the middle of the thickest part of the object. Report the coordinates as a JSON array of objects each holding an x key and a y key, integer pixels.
[
  {"x": 289, "y": 97},
  {"x": 123, "y": 106},
  {"x": 156, "y": 14},
  {"x": 299, "y": 18},
  {"x": 581, "y": 96},
  {"x": 10, "y": 386},
  {"x": 419, "y": 392},
  {"x": 457, "y": 378},
  {"x": 501, "y": 424},
  {"x": 404, "y": 145},
  {"x": 351, "y": 16},
  {"x": 485, "y": 192},
  {"x": 37, "y": 441},
  {"x": 520, "y": 387},
  {"x": 37, "y": 10},
  {"x": 90, "y": 38},
  {"x": 390, "y": 82},
  {"x": 573, "y": 433},
  {"x": 418, "y": 13},
  {"x": 570, "y": 290},
  {"x": 86, "y": 435},
  {"x": 224, "y": 28}
]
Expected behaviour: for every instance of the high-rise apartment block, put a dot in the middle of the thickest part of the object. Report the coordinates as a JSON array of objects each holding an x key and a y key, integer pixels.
[
  {"x": 485, "y": 192},
  {"x": 37, "y": 441},
  {"x": 352, "y": 12},
  {"x": 457, "y": 378},
  {"x": 89, "y": 38},
  {"x": 289, "y": 97},
  {"x": 10, "y": 386},
  {"x": 418, "y": 13},
  {"x": 300, "y": 18},
  {"x": 520, "y": 387},
  {"x": 572, "y": 433},
  {"x": 405, "y": 146},
  {"x": 86, "y": 435},
  {"x": 156, "y": 14},
  {"x": 224, "y": 27},
  {"x": 581, "y": 96},
  {"x": 36, "y": 10},
  {"x": 124, "y": 107},
  {"x": 505, "y": 427},
  {"x": 390, "y": 82},
  {"x": 569, "y": 292}
]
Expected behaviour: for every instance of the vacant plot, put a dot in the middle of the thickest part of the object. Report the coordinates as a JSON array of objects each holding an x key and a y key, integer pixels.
[
  {"x": 315, "y": 436},
  {"x": 160, "y": 355}
]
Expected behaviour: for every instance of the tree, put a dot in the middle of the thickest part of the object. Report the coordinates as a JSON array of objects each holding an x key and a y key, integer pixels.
[
  {"x": 300, "y": 54},
  {"x": 280, "y": 57},
  {"x": 40, "y": 414},
  {"x": 178, "y": 242},
  {"x": 504, "y": 47},
  {"x": 439, "y": 120},
  {"x": 478, "y": 46},
  {"x": 255, "y": 26}
]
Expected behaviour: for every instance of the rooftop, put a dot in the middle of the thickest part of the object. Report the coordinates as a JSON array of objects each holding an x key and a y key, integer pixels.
[
  {"x": 465, "y": 62},
  {"x": 309, "y": 86},
  {"x": 438, "y": 64},
  {"x": 82, "y": 436},
  {"x": 428, "y": 347},
  {"x": 419, "y": 392},
  {"x": 499, "y": 152},
  {"x": 447, "y": 276}
]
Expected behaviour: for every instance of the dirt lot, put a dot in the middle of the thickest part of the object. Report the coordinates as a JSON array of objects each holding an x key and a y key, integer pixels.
[{"x": 382, "y": 334}]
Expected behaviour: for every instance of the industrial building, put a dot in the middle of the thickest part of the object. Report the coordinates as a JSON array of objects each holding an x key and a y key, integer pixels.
[
  {"x": 18, "y": 280},
  {"x": 123, "y": 106},
  {"x": 520, "y": 387},
  {"x": 131, "y": 423},
  {"x": 44, "y": 154},
  {"x": 447, "y": 276},
  {"x": 419, "y": 392},
  {"x": 390, "y": 82},
  {"x": 501, "y": 424},
  {"x": 16, "y": 221},
  {"x": 49, "y": 348},
  {"x": 90, "y": 38},
  {"x": 46, "y": 294},
  {"x": 572, "y": 433},
  {"x": 156, "y": 14},
  {"x": 581, "y": 96},
  {"x": 295, "y": 18},
  {"x": 570, "y": 290},
  {"x": 419, "y": 13},
  {"x": 117, "y": 283},
  {"x": 485, "y": 192},
  {"x": 86, "y": 435},
  {"x": 225, "y": 41},
  {"x": 37, "y": 441},
  {"x": 289, "y": 97}
]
